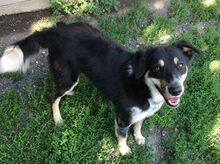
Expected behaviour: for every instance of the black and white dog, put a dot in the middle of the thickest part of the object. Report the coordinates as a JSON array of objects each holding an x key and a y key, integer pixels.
[{"x": 137, "y": 83}]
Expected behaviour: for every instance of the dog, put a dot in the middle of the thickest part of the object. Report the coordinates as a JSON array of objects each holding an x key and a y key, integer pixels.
[{"x": 137, "y": 83}]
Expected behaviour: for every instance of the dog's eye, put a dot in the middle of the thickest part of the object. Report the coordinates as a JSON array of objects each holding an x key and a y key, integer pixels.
[{"x": 180, "y": 65}]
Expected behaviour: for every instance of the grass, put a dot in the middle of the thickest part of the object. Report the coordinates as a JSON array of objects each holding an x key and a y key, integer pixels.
[
  {"x": 199, "y": 110},
  {"x": 195, "y": 11},
  {"x": 95, "y": 7},
  {"x": 128, "y": 24},
  {"x": 28, "y": 134}
]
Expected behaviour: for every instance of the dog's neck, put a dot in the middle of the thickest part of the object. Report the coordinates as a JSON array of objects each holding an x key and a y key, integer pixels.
[
  {"x": 155, "y": 93},
  {"x": 136, "y": 88}
]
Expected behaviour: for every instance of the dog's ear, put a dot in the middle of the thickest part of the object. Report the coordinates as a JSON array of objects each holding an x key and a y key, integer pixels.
[
  {"x": 139, "y": 63},
  {"x": 187, "y": 48}
]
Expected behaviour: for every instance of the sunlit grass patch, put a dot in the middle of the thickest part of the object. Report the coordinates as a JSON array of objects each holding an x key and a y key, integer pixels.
[
  {"x": 44, "y": 23},
  {"x": 215, "y": 136},
  {"x": 209, "y": 3},
  {"x": 214, "y": 66},
  {"x": 159, "y": 31},
  {"x": 194, "y": 11},
  {"x": 128, "y": 24}
]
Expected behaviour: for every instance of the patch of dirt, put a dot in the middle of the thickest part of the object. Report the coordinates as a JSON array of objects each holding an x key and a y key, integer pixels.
[
  {"x": 12, "y": 24},
  {"x": 138, "y": 42},
  {"x": 12, "y": 38},
  {"x": 154, "y": 142},
  {"x": 39, "y": 67},
  {"x": 135, "y": 43},
  {"x": 200, "y": 26},
  {"x": 5, "y": 83},
  {"x": 124, "y": 5},
  {"x": 160, "y": 7}
]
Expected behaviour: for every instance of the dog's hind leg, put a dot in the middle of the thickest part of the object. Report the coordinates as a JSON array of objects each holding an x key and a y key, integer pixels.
[
  {"x": 62, "y": 88},
  {"x": 60, "y": 92},
  {"x": 56, "y": 111}
]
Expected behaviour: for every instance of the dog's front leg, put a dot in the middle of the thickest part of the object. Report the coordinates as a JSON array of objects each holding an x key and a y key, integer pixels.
[
  {"x": 121, "y": 132},
  {"x": 139, "y": 138}
]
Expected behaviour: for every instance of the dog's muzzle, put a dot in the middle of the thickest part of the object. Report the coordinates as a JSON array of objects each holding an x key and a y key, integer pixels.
[
  {"x": 172, "y": 93},
  {"x": 175, "y": 90}
]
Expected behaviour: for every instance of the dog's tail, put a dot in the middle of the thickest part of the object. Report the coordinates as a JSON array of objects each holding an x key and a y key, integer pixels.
[{"x": 17, "y": 56}]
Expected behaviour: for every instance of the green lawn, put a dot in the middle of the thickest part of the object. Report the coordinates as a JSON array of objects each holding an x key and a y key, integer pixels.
[{"x": 28, "y": 133}]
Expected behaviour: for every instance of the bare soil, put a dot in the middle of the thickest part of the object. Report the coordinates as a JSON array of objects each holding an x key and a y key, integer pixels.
[{"x": 12, "y": 24}]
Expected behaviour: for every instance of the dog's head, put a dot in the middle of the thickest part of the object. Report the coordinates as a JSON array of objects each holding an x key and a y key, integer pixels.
[{"x": 166, "y": 68}]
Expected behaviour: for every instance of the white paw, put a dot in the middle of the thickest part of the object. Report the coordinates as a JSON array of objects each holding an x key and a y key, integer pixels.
[
  {"x": 124, "y": 150},
  {"x": 58, "y": 120},
  {"x": 141, "y": 140}
]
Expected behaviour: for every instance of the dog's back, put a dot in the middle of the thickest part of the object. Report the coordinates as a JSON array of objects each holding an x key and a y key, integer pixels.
[{"x": 73, "y": 49}]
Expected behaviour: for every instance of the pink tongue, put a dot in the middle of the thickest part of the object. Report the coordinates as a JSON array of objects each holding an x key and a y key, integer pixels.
[{"x": 173, "y": 99}]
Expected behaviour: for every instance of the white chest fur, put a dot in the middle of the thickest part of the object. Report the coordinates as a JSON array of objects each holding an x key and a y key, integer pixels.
[
  {"x": 138, "y": 114},
  {"x": 155, "y": 103}
]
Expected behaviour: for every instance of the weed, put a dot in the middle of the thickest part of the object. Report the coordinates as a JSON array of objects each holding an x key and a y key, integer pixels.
[{"x": 82, "y": 7}]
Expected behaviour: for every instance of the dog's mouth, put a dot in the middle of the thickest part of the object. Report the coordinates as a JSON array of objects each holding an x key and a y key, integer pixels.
[{"x": 172, "y": 101}]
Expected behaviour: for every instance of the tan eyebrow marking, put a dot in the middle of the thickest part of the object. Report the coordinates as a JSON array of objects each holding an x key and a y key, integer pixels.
[
  {"x": 161, "y": 62},
  {"x": 176, "y": 60},
  {"x": 185, "y": 49}
]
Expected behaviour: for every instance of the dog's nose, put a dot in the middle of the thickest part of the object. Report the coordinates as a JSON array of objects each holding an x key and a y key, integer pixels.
[{"x": 175, "y": 90}]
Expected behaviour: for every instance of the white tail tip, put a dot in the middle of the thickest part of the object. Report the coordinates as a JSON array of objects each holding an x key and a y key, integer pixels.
[{"x": 12, "y": 60}]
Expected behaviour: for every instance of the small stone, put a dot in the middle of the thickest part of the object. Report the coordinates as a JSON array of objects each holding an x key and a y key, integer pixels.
[{"x": 164, "y": 133}]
